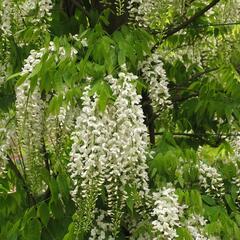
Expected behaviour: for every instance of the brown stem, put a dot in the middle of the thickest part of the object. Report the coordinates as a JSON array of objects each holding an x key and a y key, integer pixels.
[
  {"x": 170, "y": 31},
  {"x": 149, "y": 114}
]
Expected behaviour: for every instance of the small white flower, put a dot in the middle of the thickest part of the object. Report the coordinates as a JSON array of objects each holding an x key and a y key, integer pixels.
[{"x": 84, "y": 42}]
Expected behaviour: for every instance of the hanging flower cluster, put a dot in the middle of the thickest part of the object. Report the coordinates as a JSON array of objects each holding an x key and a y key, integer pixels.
[
  {"x": 154, "y": 74},
  {"x": 236, "y": 182},
  {"x": 118, "y": 6},
  {"x": 30, "y": 123},
  {"x": 102, "y": 229},
  {"x": 109, "y": 150},
  {"x": 14, "y": 19},
  {"x": 195, "y": 225},
  {"x": 211, "y": 180},
  {"x": 3, "y": 72},
  {"x": 6, "y": 17},
  {"x": 167, "y": 213},
  {"x": 35, "y": 57},
  {"x": 31, "y": 119},
  {"x": 12, "y": 12},
  {"x": 31, "y": 61},
  {"x": 139, "y": 11},
  {"x": 45, "y": 7},
  {"x": 6, "y": 141},
  {"x": 235, "y": 142},
  {"x": 27, "y": 6},
  {"x": 134, "y": 226},
  {"x": 152, "y": 14},
  {"x": 6, "y": 12}
]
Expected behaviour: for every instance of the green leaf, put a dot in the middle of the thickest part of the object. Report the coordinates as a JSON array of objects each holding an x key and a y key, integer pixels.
[
  {"x": 57, "y": 209},
  {"x": 32, "y": 230},
  {"x": 209, "y": 200},
  {"x": 55, "y": 104},
  {"x": 196, "y": 200},
  {"x": 54, "y": 189},
  {"x": 15, "y": 75},
  {"x": 130, "y": 203},
  {"x": 13, "y": 234},
  {"x": 62, "y": 182},
  {"x": 43, "y": 213},
  {"x": 230, "y": 202},
  {"x": 21, "y": 80},
  {"x": 36, "y": 70},
  {"x": 183, "y": 234}
]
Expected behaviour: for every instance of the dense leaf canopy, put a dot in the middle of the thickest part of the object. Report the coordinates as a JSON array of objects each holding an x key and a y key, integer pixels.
[{"x": 119, "y": 119}]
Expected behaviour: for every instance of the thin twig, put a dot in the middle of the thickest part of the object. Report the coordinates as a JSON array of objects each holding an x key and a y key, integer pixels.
[
  {"x": 200, "y": 74},
  {"x": 170, "y": 31},
  {"x": 21, "y": 178},
  {"x": 197, "y": 135}
]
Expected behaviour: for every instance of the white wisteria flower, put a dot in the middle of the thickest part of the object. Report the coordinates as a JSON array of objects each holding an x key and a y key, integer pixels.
[
  {"x": 102, "y": 229},
  {"x": 154, "y": 74},
  {"x": 30, "y": 113},
  {"x": 167, "y": 213},
  {"x": 109, "y": 149},
  {"x": 30, "y": 128},
  {"x": 195, "y": 225},
  {"x": 211, "y": 180},
  {"x": 6, "y": 17},
  {"x": 139, "y": 11}
]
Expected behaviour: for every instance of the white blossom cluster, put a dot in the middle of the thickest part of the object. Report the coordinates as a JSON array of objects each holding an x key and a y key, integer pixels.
[
  {"x": 6, "y": 12},
  {"x": 3, "y": 72},
  {"x": 102, "y": 228},
  {"x": 130, "y": 139},
  {"x": 195, "y": 224},
  {"x": 167, "y": 213},
  {"x": 118, "y": 6},
  {"x": 134, "y": 225},
  {"x": 62, "y": 115},
  {"x": 31, "y": 61},
  {"x": 31, "y": 118},
  {"x": 110, "y": 148},
  {"x": 35, "y": 57},
  {"x": 30, "y": 131},
  {"x": 139, "y": 11},
  {"x": 236, "y": 181},
  {"x": 45, "y": 7},
  {"x": 16, "y": 16},
  {"x": 44, "y": 10},
  {"x": 152, "y": 13},
  {"x": 26, "y": 7},
  {"x": 211, "y": 180},
  {"x": 154, "y": 74},
  {"x": 6, "y": 17},
  {"x": 235, "y": 142},
  {"x": 61, "y": 51},
  {"x": 6, "y": 142}
]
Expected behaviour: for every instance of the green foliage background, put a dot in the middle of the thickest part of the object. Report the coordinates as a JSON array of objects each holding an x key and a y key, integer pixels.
[{"x": 201, "y": 55}]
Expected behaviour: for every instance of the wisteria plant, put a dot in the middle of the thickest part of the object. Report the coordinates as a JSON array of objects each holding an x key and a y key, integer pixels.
[{"x": 119, "y": 119}]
